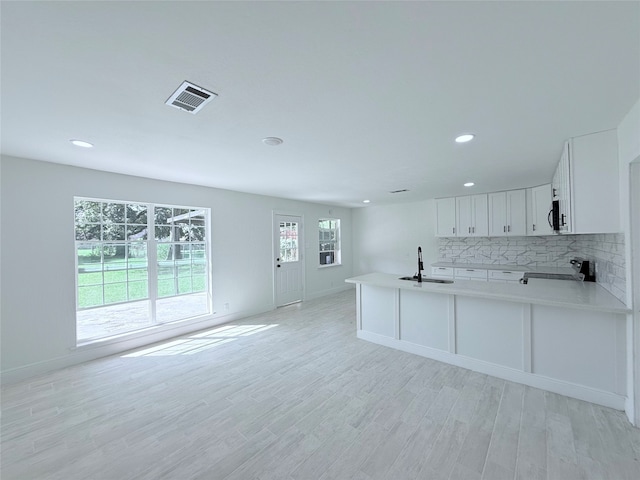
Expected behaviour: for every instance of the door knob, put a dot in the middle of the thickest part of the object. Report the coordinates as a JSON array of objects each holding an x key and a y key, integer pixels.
[{"x": 278, "y": 266}]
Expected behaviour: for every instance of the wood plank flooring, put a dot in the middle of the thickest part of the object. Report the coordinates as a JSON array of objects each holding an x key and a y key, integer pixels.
[{"x": 293, "y": 394}]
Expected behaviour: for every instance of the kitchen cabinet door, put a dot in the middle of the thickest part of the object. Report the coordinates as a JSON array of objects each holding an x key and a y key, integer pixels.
[
  {"x": 472, "y": 216},
  {"x": 444, "y": 272},
  {"x": 464, "y": 216},
  {"x": 497, "y": 214},
  {"x": 516, "y": 213},
  {"x": 538, "y": 208},
  {"x": 586, "y": 184},
  {"x": 507, "y": 213},
  {"x": 446, "y": 217},
  {"x": 470, "y": 274},
  {"x": 594, "y": 183},
  {"x": 505, "y": 276},
  {"x": 480, "y": 216}
]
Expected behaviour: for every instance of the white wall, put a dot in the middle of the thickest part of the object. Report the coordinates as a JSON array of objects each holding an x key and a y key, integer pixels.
[
  {"x": 628, "y": 152},
  {"x": 37, "y": 257},
  {"x": 386, "y": 238}
]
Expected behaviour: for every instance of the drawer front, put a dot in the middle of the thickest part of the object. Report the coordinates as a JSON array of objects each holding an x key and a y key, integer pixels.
[
  {"x": 471, "y": 273},
  {"x": 442, "y": 272},
  {"x": 505, "y": 275}
]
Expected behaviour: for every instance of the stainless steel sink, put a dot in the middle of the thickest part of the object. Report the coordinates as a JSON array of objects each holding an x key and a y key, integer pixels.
[{"x": 427, "y": 280}]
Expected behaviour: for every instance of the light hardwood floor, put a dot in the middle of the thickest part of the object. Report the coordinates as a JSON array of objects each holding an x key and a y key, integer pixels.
[{"x": 294, "y": 395}]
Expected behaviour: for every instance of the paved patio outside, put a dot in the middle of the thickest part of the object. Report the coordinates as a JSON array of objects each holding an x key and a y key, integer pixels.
[{"x": 116, "y": 319}]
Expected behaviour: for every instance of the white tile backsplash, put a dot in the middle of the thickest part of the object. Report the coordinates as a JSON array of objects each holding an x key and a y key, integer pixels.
[
  {"x": 532, "y": 251},
  {"x": 606, "y": 249}
]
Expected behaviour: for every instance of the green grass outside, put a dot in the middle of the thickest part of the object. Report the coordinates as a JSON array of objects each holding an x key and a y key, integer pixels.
[{"x": 122, "y": 284}]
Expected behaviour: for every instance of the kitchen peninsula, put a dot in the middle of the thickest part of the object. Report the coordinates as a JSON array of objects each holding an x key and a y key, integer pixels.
[{"x": 567, "y": 337}]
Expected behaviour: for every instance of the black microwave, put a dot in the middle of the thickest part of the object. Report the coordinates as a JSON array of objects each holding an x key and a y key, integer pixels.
[{"x": 554, "y": 216}]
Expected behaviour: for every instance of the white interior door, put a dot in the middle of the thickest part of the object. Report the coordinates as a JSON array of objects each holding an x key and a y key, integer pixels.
[{"x": 289, "y": 269}]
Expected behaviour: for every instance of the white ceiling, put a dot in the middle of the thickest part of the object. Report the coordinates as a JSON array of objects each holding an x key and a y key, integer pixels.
[{"x": 367, "y": 96}]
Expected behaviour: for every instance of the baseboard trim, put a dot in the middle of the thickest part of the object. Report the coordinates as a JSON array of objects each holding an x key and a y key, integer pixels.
[
  {"x": 116, "y": 346},
  {"x": 331, "y": 291},
  {"x": 581, "y": 392}
]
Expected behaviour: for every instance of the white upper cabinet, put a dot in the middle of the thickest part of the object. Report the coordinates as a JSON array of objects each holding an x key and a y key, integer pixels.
[
  {"x": 480, "y": 210},
  {"x": 472, "y": 216},
  {"x": 446, "y": 217},
  {"x": 497, "y": 214},
  {"x": 516, "y": 212},
  {"x": 586, "y": 184},
  {"x": 538, "y": 208},
  {"x": 594, "y": 183},
  {"x": 561, "y": 191},
  {"x": 507, "y": 213},
  {"x": 463, "y": 216}
]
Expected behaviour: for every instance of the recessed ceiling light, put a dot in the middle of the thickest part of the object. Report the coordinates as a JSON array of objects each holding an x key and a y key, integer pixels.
[
  {"x": 273, "y": 141},
  {"x": 366, "y": 201},
  {"x": 469, "y": 184},
  {"x": 81, "y": 143},
  {"x": 464, "y": 138}
]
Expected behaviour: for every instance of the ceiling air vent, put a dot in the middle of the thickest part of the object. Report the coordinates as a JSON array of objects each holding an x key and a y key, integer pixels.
[
  {"x": 190, "y": 98},
  {"x": 399, "y": 191}
]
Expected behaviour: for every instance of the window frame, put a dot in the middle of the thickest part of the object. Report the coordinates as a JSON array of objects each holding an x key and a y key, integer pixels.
[
  {"x": 336, "y": 242},
  {"x": 150, "y": 243}
]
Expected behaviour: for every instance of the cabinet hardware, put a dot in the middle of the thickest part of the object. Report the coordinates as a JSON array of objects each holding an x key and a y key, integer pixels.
[
  {"x": 534, "y": 227},
  {"x": 441, "y": 268},
  {"x": 508, "y": 228},
  {"x": 473, "y": 229},
  {"x": 454, "y": 230},
  {"x": 504, "y": 229},
  {"x": 508, "y": 272},
  {"x": 562, "y": 220},
  {"x": 469, "y": 229},
  {"x": 470, "y": 270}
]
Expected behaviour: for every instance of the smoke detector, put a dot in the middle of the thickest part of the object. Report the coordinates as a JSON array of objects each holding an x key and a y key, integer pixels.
[{"x": 190, "y": 98}]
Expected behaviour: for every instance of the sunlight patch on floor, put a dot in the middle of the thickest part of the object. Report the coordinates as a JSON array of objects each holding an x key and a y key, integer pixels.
[{"x": 200, "y": 342}]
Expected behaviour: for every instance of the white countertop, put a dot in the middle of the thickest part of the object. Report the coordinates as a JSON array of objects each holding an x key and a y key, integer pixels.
[
  {"x": 510, "y": 268},
  {"x": 560, "y": 293}
]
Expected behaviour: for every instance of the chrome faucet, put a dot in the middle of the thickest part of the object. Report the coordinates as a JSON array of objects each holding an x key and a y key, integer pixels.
[{"x": 420, "y": 265}]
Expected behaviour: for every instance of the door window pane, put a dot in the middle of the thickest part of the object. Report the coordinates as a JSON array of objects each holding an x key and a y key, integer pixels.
[{"x": 288, "y": 242}]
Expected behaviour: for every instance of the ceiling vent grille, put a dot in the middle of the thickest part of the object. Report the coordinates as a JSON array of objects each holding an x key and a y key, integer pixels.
[
  {"x": 399, "y": 191},
  {"x": 190, "y": 98}
]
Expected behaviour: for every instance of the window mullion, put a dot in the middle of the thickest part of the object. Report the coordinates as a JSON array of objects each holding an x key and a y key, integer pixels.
[
  {"x": 152, "y": 266},
  {"x": 100, "y": 264}
]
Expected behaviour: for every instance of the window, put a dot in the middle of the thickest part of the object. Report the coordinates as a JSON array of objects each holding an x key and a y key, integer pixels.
[
  {"x": 138, "y": 265},
  {"x": 329, "y": 241},
  {"x": 288, "y": 242}
]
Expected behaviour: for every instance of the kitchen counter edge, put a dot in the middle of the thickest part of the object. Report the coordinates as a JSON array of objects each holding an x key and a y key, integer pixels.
[{"x": 558, "y": 293}]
